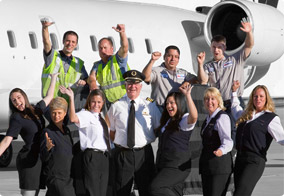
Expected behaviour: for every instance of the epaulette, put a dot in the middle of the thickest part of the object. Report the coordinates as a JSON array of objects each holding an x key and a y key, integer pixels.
[{"x": 150, "y": 99}]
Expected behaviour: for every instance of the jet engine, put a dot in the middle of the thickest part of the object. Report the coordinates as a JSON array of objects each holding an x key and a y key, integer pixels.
[{"x": 268, "y": 29}]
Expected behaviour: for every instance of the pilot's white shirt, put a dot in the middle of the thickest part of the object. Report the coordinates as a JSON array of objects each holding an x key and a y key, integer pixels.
[
  {"x": 147, "y": 118},
  {"x": 91, "y": 131}
]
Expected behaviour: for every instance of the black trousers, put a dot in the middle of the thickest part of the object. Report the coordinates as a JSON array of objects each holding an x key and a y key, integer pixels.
[
  {"x": 136, "y": 164},
  {"x": 215, "y": 185},
  {"x": 169, "y": 182},
  {"x": 60, "y": 187},
  {"x": 249, "y": 168},
  {"x": 96, "y": 172}
]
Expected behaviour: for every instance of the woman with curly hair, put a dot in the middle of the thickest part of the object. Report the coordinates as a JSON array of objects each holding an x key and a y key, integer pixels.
[{"x": 257, "y": 126}]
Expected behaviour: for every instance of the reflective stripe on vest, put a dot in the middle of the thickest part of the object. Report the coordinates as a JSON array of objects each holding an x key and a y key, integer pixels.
[
  {"x": 111, "y": 80},
  {"x": 68, "y": 80}
]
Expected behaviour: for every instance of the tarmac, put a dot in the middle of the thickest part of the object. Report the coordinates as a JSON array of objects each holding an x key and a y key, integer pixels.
[{"x": 270, "y": 184}]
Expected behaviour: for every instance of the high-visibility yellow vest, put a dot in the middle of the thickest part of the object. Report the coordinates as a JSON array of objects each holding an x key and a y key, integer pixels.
[
  {"x": 68, "y": 80},
  {"x": 111, "y": 80}
]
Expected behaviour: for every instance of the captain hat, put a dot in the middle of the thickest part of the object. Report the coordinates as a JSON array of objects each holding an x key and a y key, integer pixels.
[{"x": 134, "y": 76}]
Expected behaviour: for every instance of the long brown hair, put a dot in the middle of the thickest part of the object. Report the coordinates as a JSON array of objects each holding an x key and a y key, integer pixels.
[
  {"x": 269, "y": 104},
  {"x": 29, "y": 111},
  {"x": 96, "y": 92}
]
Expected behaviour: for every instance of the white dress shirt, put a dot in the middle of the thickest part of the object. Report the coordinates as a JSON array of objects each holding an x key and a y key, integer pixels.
[
  {"x": 275, "y": 128},
  {"x": 184, "y": 126},
  {"x": 147, "y": 118},
  {"x": 223, "y": 126},
  {"x": 91, "y": 131}
]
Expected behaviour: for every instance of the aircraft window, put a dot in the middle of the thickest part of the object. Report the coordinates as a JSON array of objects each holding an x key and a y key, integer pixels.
[
  {"x": 114, "y": 48},
  {"x": 131, "y": 46},
  {"x": 94, "y": 42},
  {"x": 54, "y": 41},
  {"x": 33, "y": 40},
  {"x": 149, "y": 46},
  {"x": 12, "y": 39}
]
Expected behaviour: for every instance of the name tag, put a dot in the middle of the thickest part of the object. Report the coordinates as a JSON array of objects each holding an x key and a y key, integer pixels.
[
  {"x": 164, "y": 75},
  {"x": 228, "y": 64},
  {"x": 180, "y": 76}
]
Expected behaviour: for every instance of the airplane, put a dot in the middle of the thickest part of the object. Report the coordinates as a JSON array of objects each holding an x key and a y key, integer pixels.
[{"x": 148, "y": 27}]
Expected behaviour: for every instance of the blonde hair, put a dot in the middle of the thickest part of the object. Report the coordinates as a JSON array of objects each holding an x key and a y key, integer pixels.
[
  {"x": 58, "y": 103},
  {"x": 269, "y": 105},
  {"x": 212, "y": 91}
]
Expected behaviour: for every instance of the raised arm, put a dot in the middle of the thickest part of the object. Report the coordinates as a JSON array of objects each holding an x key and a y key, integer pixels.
[
  {"x": 202, "y": 76},
  {"x": 50, "y": 93},
  {"x": 92, "y": 81},
  {"x": 4, "y": 144},
  {"x": 193, "y": 115},
  {"x": 45, "y": 35},
  {"x": 148, "y": 68},
  {"x": 123, "y": 50},
  {"x": 236, "y": 109},
  {"x": 249, "y": 41},
  {"x": 72, "y": 114}
]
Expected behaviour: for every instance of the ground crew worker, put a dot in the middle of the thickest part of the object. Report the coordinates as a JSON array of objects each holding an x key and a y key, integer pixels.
[
  {"x": 72, "y": 70},
  {"x": 109, "y": 70}
]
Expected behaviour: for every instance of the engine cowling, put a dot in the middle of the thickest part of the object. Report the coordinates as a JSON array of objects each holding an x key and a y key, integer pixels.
[{"x": 268, "y": 29}]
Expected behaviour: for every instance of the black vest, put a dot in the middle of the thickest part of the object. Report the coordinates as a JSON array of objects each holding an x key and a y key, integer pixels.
[
  {"x": 209, "y": 163},
  {"x": 254, "y": 136},
  {"x": 173, "y": 149}
]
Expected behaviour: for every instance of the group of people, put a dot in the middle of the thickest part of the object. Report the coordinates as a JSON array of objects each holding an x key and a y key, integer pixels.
[{"x": 117, "y": 126}]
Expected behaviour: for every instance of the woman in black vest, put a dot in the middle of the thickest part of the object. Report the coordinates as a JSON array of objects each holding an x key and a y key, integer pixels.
[
  {"x": 173, "y": 157},
  {"x": 256, "y": 127},
  {"x": 215, "y": 164}
]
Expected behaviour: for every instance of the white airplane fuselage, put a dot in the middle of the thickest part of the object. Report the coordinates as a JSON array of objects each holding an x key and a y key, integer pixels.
[{"x": 160, "y": 25}]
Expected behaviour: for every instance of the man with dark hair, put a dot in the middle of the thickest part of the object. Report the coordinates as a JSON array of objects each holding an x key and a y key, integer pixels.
[
  {"x": 166, "y": 77},
  {"x": 223, "y": 70},
  {"x": 72, "y": 70},
  {"x": 109, "y": 70}
]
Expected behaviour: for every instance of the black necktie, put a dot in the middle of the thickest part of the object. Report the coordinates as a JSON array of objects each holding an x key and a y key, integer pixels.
[
  {"x": 131, "y": 126},
  {"x": 106, "y": 135}
]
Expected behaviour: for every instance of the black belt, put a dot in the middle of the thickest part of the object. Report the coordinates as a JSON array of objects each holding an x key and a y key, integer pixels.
[
  {"x": 132, "y": 149},
  {"x": 97, "y": 150}
]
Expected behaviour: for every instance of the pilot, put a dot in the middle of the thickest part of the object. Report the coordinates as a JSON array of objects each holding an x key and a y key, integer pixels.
[
  {"x": 109, "y": 70},
  {"x": 132, "y": 123},
  {"x": 222, "y": 70},
  {"x": 167, "y": 77},
  {"x": 72, "y": 70}
]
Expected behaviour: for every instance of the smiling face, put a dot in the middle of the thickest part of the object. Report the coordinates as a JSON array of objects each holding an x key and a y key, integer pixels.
[
  {"x": 96, "y": 103},
  {"x": 18, "y": 101},
  {"x": 218, "y": 49},
  {"x": 57, "y": 116},
  {"x": 171, "y": 59},
  {"x": 171, "y": 106},
  {"x": 259, "y": 99},
  {"x": 133, "y": 89},
  {"x": 70, "y": 43},
  {"x": 105, "y": 50},
  {"x": 211, "y": 104}
]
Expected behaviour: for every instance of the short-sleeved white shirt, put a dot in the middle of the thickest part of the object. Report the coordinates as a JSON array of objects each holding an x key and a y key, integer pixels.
[
  {"x": 91, "y": 131},
  {"x": 147, "y": 118},
  {"x": 183, "y": 124}
]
